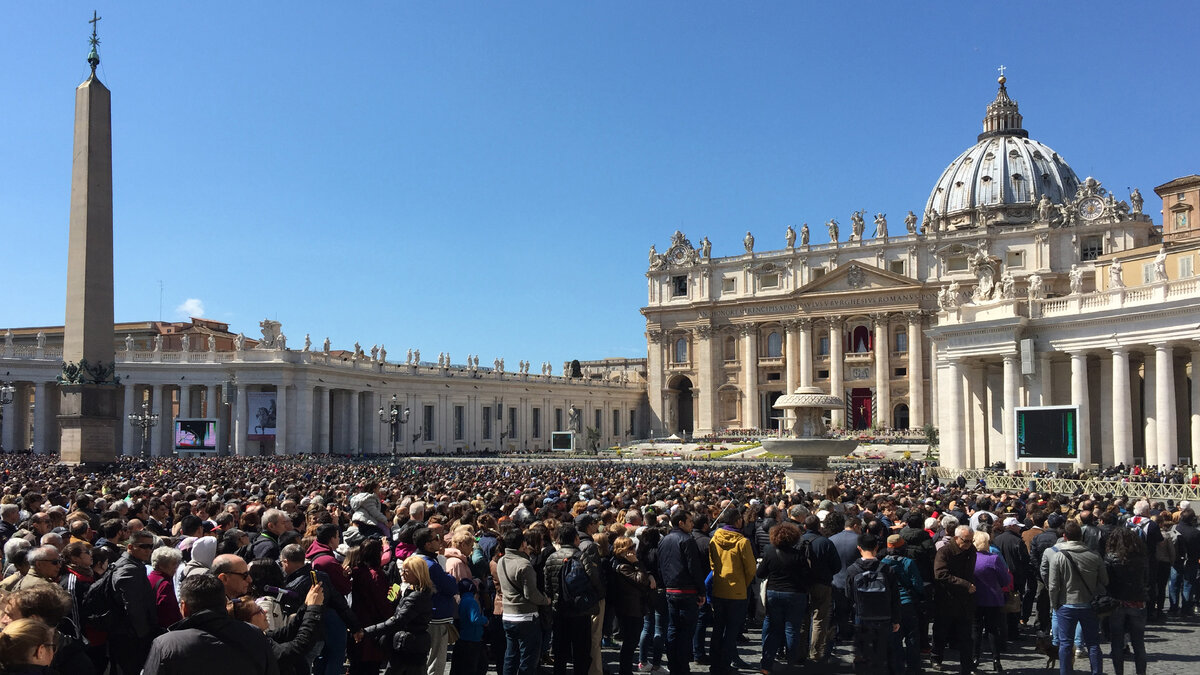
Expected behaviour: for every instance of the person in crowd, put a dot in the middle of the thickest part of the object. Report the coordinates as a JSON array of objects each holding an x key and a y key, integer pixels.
[
  {"x": 825, "y": 565},
  {"x": 1016, "y": 558},
  {"x": 653, "y": 641},
  {"x": 1075, "y": 576},
  {"x": 321, "y": 557},
  {"x": 164, "y": 561},
  {"x": 573, "y": 607},
  {"x": 785, "y": 572},
  {"x": 49, "y": 603},
  {"x": 733, "y": 568},
  {"x": 954, "y": 588},
  {"x": 874, "y": 598},
  {"x": 267, "y": 588},
  {"x": 275, "y": 524},
  {"x": 45, "y": 565},
  {"x": 406, "y": 632},
  {"x": 704, "y": 619},
  {"x": 906, "y": 643},
  {"x": 234, "y": 574},
  {"x": 683, "y": 568},
  {"x": 469, "y": 656},
  {"x": 369, "y": 597},
  {"x": 520, "y": 600},
  {"x": 1187, "y": 547},
  {"x": 631, "y": 591},
  {"x": 1126, "y": 562},
  {"x": 588, "y": 526},
  {"x": 27, "y": 647},
  {"x": 428, "y": 544},
  {"x": 133, "y": 599},
  {"x": 992, "y": 579},
  {"x": 292, "y": 641},
  {"x": 208, "y": 635},
  {"x": 204, "y": 551}
]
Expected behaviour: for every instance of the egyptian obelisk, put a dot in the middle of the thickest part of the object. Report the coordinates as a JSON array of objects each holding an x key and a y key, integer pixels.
[{"x": 89, "y": 386}]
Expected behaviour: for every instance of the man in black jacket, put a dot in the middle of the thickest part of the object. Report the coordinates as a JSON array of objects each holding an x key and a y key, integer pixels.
[
  {"x": 1187, "y": 547},
  {"x": 683, "y": 571},
  {"x": 572, "y": 625},
  {"x": 874, "y": 596},
  {"x": 1016, "y": 557},
  {"x": 208, "y": 638},
  {"x": 129, "y": 640}
]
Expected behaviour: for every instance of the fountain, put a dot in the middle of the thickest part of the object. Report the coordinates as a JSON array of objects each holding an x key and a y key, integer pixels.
[{"x": 807, "y": 442}]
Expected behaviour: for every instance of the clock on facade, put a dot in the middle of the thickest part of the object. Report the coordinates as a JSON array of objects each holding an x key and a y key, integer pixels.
[{"x": 1091, "y": 208}]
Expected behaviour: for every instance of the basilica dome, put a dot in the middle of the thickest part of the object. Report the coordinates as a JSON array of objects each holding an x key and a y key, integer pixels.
[{"x": 1000, "y": 178}]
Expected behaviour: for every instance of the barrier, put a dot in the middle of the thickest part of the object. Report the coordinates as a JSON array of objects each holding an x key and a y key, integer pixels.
[{"x": 1111, "y": 485}]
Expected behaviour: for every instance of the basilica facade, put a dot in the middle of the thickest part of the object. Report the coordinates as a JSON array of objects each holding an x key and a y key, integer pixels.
[{"x": 1019, "y": 284}]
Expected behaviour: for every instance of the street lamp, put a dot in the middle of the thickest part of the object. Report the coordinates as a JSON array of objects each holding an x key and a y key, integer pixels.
[
  {"x": 145, "y": 421},
  {"x": 7, "y": 390},
  {"x": 394, "y": 418}
]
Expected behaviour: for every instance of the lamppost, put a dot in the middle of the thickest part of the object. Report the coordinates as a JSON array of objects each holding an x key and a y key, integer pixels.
[
  {"x": 394, "y": 418},
  {"x": 7, "y": 390},
  {"x": 145, "y": 421}
]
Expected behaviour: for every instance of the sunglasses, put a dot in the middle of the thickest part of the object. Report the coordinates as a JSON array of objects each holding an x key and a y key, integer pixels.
[
  {"x": 244, "y": 575},
  {"x": 144, "y": 547}
]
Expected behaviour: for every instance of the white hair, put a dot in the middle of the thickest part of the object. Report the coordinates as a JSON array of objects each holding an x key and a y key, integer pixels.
[
  {"x": 1142, "y": 508},
  {"x": 165, "y": 556},
  {"x": 963, "y": 531},
  {"x": 416, "y": 510}
]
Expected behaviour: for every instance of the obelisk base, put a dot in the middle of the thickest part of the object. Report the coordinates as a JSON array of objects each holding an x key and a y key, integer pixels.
[{"x": 88, "y": 418}]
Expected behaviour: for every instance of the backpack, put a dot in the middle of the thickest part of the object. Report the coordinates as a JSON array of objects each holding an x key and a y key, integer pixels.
[
  {"x": 101, "y": 609},
  {"x": 805, "y": 549},
  {"x": 871, "y": 593},
  {"x": 576, "y": 593}
]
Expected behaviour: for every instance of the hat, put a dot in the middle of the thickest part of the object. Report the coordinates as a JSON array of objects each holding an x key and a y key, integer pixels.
[
  {"x": 1055, "y": 521},
  {"x": 584, "y": 520},
  {"x": 1010, "y": 521},
  {"x": 895, "y": 541},
  {"x": 466, "y": 586}
]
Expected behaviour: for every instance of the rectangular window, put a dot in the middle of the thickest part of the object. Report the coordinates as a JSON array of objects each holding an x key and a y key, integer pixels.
[
  {"x": 487, "y": 422},
  {"x": 901, "y": 341},
  {"x": 896, "y": 267},
  {"x": 770, "y": 281},
  {"x": 1015, "y": 259},
  {"x": 512, "y": 422},
  {"x": 616, "y": 421},
  {"x": 773, "y": 377},
  {"x": 728, "y": 286},
  {"x": 1147, "y": 273},
  {"x": 822, "y": 374},
  {"x": 901, "y": 372},
  {"x": 818, "y": 272},
  {"x": 1092, "y": 248},
  {"x": 427, "y": 429},
  {"x": 679, "y": 285},
  {"x": 957, "y": 263},
  {"x": 1185, "y": 267},
  {"x": 823, "y": 346},
  {"x": 599, "y": 420},
  {"x": 535, "y": 419},
  {"x": 459, "y": 422},
  {"x": 558, "y": 417}
]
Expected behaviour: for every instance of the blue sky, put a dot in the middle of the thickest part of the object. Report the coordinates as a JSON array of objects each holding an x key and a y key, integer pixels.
[{"x": 486, "y": 177}]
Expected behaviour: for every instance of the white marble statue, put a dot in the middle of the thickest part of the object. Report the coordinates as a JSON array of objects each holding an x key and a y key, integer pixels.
[
  {"x": 955, "y": 293},
  {"x": 383, "y": 353},
  {"x": 1075, "y": 278},
  {"x": 128, "y": 342},
  {"x": 705, "y": 248},
  {"x": 857, "y": 226},
  {"x": 984, "y": 268},
  {"x": 281, "y": 342},
  {"x": 881, "y": 231},
  {"x": 502, "y": 364},
  {"x": 416, "y": 357},
  {"x": 270, "y": 332},
  {"x": 8, "y": 339},
  {"x": 1044, "y": 209},
  {"x": 1160, "y": 265},
  {"x": 239, "y": 342},
  {"x": 325, "y": 347},
  {"x": 1115, "y": 277},
  {"x": 653, "y": 255},
  {"x": 1008, "y": 286},
  {"x": 307, "y": 342},
  {"x": 158, "y": 343},
  {"x": 789, "y": 235},
  {"x": 212, "y": 343},
  {"x": 566, "y": 369},
  {"x": 1037, "y": 290},
  {"x": 41, "y": 339},
  {"x": 374, "y": 352},
  {"x": 476, "y": 360},
  {"x": 748, "y": 242},
  {"x": 408, "y": 357},
  {"x": 910, "y": 222},
  {"x": 186, "y": 343},
  {"x": 1135, "y": 200},
  {"x": 833, "y": 230},
  {"x": 804, "y": 234}
]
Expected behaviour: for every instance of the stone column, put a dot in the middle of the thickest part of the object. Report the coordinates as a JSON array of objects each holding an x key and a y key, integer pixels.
[
  {"x": 185, "y": 401},
  {"x": 934, "y": 384},
  {"x": 836, "y": 386},
  {"x": 129, "y": 436},
  {"x": 883, "y": 373},
  {"x": 1150, "y": 409},
  {"x": 355, "y": 441},
  {"x": 1046, "y": 378},
  {"x": 9, "y": 438},
  {"x": 791, "y": 358},
  {"x": 1195, "y": 411},
  {"x": 1011, "y": 391},
  {"x": 704, "y": 419},
  {"x": 806, "y": 353},
  {"x": 916, "y": 367},
  {"x": 1122, "y": 414},
  {"x": 240, "y": 442},
  {"x": 1164, "y": 403},
  {"x": 1079, "y": 397},
  {"x": 655, "y": 380},
  {"x": 210, "y": 402},
  {"x": 281, "y": 420},
  {"x": 953, "y": 449},
  {"x": 41, "y": 418},
  {"x": 750, "y": 376},
  {"x": 157, "y": 394},
  {"x": 326, "y": 413},
  {"x": 302, "y": 440}
]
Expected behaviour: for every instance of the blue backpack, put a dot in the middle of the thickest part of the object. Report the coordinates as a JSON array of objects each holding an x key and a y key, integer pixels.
[{"x": 576, "y": 593}]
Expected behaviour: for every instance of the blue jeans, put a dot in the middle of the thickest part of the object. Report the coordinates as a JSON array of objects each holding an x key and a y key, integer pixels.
[
  {"x": 703, "y": 623},
  {"x": 523, "y": 647},
  {"x": 1190, "y": 585},
  {"x": 333, "y": 655},
  {"x": 654, "y": 632},
  {"x": 682, "y": 613},
  {"x": 1067, "y": 618},
  {"x": 728, "y": 616},
  {"x": 784, "y": 624}
]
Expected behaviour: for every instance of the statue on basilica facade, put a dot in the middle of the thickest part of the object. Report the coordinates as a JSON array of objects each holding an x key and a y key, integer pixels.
[
  {"x": 1075, "y": 278},
  {"x": 1135, "y": 199},
  {"x": 1160, "y": 265},
  {"x": 307, "y": 342},
  {"x": 748, "y": 242},
  {"x": 128, "y": 342},
  {"x": 416, "y": 357},
  {"x": 1037, "y": 291},
  {"x": 212, "y": 343},
  {"x": 41, "y": 339},
  {"x": 186, "y": 343},
  {"x": 158, "y": 342},
  {"x": 374, "y": 352},
  {"x": 856, "y": 225},
  {"x": 1044, "y": 209},
  {"x": 984, "y": 267},
  {"x": 653, "y": 255},
  {"x": 382, "y": 353},
  {"x": 833, "y": 230},
  {"x": 239, "y": 342},
  {"x": 1008, "y": 286},
  {"x": 705, "y": 248},
  {"x": 326, "y": 345},
  {"x": 281, "y": 342},
  {"x": 804, "y": 234},
  {"x": 1115, "y": 277},
  {"x": 789, "y": 236},
  {"x": 910, "y": 222},
  {"x": 881, "y": 226},
  {"x": 408, "y": 357}
]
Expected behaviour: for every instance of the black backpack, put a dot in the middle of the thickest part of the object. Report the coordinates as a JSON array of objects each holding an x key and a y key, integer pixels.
[
  {"x": 101, "y": 609},
  {"x": 871, "y": 592},
  {"x": 576, "y": 593}
]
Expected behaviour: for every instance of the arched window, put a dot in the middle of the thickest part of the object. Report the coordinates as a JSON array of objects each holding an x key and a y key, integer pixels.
[
  {"x": 681, "y": 350},
  {"x": 730, "y": 348},
  {"x": 860, "y": 342},
  {"x": 774, "y": 345},
  {"x": 900, "y": 416}
]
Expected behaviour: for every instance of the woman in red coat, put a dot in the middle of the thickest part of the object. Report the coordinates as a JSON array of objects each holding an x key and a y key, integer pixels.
[
  {"x": 164, "y": 561},
  {"x": 369, "y": 591}
]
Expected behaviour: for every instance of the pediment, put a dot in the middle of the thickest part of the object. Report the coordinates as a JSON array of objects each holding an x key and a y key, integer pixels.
[{"x": 856, "y": 277}]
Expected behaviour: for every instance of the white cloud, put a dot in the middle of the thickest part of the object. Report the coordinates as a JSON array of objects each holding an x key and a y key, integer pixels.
[{"x": 192, "y": 307}]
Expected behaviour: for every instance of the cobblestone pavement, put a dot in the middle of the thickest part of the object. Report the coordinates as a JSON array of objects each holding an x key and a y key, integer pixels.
[{"x": 1172, "y": 648}]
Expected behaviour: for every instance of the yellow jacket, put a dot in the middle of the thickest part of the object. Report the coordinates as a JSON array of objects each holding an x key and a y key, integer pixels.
[{"x": 732, "y": 563}]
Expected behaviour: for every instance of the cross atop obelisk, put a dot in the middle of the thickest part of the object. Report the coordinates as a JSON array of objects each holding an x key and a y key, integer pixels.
[{"x": 88, "y": 382}]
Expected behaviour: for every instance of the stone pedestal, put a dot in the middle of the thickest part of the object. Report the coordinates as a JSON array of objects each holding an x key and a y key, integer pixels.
[
  {"x": 808, "y": 480},
  {"x": 88, "y": 416}
]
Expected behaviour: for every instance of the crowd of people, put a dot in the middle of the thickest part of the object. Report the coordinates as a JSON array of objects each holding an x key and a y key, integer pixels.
[{"x": 321, "y": 566}]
